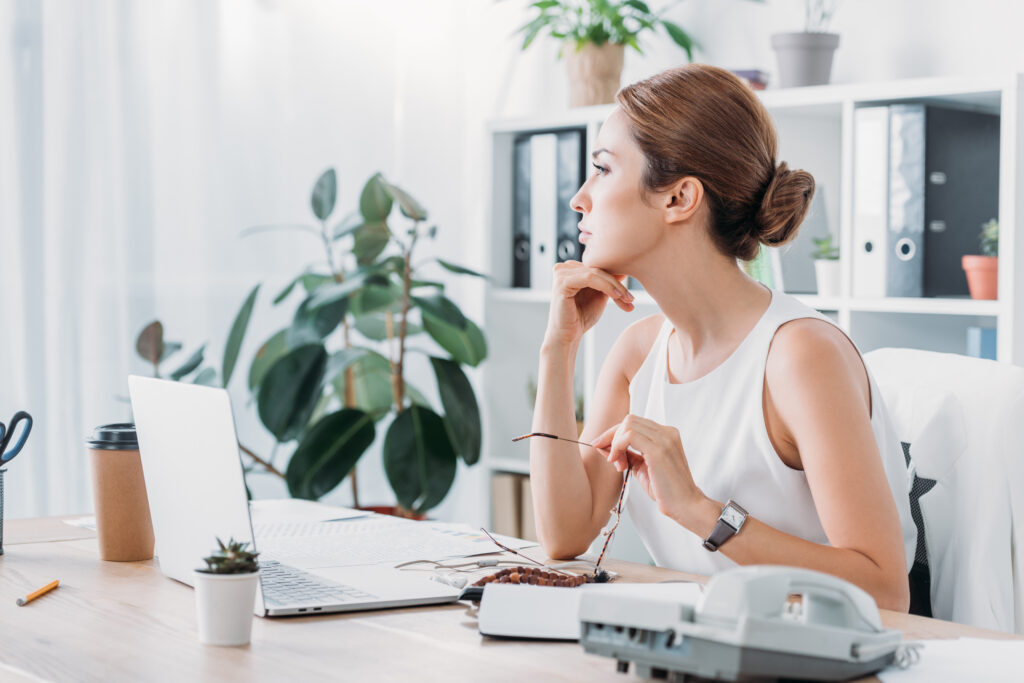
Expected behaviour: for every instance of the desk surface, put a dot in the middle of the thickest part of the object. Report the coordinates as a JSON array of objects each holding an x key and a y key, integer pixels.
[{"x": 125, "y": 621}]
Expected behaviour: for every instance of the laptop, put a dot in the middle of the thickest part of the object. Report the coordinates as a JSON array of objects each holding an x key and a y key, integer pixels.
[{"x": 196, "y": 489}]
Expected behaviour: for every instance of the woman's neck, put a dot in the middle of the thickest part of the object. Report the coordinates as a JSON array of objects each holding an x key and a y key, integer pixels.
[{"x": 710, "y": 301}]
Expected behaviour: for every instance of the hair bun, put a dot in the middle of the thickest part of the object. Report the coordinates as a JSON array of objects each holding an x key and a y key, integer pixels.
[{"x": 784, "y": 206}]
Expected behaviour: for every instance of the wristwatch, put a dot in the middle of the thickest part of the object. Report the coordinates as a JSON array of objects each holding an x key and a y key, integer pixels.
[{"x": 729, "y": 524}]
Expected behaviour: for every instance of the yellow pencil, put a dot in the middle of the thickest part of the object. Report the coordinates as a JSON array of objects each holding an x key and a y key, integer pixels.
[{"x": 36, "y": 593}]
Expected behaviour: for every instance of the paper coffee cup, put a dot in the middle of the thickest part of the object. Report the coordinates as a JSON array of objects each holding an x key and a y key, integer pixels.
[{"x": 123, "y": 524}]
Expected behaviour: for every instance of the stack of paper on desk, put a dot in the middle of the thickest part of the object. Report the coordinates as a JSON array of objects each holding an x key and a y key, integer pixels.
[{"x": 964, "y": 659}]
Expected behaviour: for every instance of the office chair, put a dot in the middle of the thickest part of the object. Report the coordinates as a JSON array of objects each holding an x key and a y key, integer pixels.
[{"x": 961, "y": 423}]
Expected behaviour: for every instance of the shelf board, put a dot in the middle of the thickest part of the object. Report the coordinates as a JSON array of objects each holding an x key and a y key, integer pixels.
[
  {"x": 936, "y": 305},
  {"x": 515, "y": 465}
]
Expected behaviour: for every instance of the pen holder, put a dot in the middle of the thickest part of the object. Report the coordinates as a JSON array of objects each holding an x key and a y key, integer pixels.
[{"x": 2, "y": 470}]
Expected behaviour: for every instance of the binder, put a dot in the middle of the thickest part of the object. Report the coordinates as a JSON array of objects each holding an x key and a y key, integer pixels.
[
  {"x": 962, "y": 192},
  {"x": 521, "y": 213},
  {"x": 543, "y": 208},
  {"x": 888, "y": 199}
]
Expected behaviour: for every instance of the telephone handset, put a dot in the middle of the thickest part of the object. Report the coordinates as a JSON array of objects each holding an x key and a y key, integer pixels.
[{"x": 747, "y": 624}]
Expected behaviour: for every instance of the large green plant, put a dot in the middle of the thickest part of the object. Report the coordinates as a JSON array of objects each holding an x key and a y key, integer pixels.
[
  {"x": 579, "y": 22},
  {"x": 339, "y": 369}
]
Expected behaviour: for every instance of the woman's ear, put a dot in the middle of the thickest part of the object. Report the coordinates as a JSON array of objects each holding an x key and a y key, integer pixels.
[{"x": 683, "y": 200}]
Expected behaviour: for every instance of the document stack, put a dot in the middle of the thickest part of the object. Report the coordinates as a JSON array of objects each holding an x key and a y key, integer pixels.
[
  {"x": 548, "y": 171},
  {"x": 925, "y": 179}
]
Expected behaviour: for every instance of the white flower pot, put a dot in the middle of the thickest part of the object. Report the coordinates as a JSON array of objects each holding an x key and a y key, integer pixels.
[
  {"x": 827, "y": 274},
  {"x": 804, "y": 58},
  {"x": 224, "y": 607}
]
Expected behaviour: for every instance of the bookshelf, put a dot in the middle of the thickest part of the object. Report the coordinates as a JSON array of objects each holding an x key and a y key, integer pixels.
[{"x": 816, "y": 132}]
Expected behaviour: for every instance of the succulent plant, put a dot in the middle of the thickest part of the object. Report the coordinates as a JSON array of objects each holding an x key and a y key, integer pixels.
[
  {"x": 231, "y": 558},
  {"x": 990, "y": 238}
]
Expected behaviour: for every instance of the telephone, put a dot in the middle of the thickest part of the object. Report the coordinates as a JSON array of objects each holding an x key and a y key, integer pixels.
[{"x": 748, "y": 624}]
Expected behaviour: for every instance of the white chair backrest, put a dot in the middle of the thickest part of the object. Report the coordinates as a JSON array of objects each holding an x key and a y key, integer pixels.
[{"x": 963, "y": 419}]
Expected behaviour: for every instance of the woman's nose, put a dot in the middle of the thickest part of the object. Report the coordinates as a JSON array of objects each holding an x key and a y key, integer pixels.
[{"x": 577, "y": 203}]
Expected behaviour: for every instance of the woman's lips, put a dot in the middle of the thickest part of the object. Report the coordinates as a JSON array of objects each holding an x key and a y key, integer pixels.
[{"x": 584, "y": 236}]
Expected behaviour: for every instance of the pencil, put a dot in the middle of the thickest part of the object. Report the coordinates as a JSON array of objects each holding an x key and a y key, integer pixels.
[{"x": 36, "y": 593}]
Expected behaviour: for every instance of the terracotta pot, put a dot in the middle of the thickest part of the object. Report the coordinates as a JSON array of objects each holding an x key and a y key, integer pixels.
[
  {"x": 393, "y": 510},
  {"x": 982, "y": 276},
  {"x": 594, "y": 73}
]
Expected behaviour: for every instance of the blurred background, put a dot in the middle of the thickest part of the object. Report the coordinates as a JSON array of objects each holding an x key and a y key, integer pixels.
[{"x": 139, "y": 138}]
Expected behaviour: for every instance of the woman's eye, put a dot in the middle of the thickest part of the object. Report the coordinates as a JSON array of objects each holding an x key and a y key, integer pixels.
[{"x": 601, "y": 170}]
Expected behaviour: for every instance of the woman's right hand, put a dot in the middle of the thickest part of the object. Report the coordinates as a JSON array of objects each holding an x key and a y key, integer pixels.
[{"x": 578, "y": 298}]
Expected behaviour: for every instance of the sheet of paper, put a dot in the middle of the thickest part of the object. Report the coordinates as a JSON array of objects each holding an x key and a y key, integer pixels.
[
  {"x": 963, "y": 659},
  {"x": 283, "y": 510},
  {"x": 532, "y": 612}
]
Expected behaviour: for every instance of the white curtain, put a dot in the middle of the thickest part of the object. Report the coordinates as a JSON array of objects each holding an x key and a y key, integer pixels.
[{"x": 139, "y": 137}]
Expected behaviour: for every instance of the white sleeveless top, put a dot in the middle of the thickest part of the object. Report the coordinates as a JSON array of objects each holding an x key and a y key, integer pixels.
[{"x": 721, "y": 423}]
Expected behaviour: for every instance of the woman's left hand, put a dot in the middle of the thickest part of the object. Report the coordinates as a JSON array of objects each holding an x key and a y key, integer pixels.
[{"x": 655, "y": 454}]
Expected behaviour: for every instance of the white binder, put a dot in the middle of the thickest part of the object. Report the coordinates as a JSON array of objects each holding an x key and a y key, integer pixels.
[
  {"x": 870, "y": 199},
  {"x": 543, "y": 208},
  {"x": 888, "y": 200}
]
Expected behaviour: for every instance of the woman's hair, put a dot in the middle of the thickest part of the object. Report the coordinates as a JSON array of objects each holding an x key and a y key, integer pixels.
[{"x": 702, "y": 121}]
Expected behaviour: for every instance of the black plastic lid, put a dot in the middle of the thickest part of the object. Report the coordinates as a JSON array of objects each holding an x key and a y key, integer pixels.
[{"x": 114, "y": 437}]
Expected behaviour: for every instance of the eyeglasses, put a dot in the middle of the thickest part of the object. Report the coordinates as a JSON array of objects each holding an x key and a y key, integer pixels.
[{"x": 608, "y": 532}]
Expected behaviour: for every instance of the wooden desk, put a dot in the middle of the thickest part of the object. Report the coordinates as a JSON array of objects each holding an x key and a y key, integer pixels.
[{"x": 113, "y": 621}]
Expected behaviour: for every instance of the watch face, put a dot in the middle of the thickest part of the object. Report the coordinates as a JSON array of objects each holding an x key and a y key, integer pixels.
[{"x": 732, "y": 517}]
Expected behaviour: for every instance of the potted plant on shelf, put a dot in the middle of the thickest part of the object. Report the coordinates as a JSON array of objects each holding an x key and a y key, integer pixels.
[
  {"x": 805, "y": 57},
  {"x": 339, "y": 368},
  {"x": 225, "y": 594},
  {"x": 826, "y": 265},
  {"x": 983, "y": 271},
  {"x": 596, "y": 33}
]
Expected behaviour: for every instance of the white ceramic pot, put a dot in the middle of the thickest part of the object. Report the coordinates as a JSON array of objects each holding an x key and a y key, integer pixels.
[
  {"x": 224, "y": 607},
  {"x": 827, "y": 274},
  {"x": 804, "y": 58}
]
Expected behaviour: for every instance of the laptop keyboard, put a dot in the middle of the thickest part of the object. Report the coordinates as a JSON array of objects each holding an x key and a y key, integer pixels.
[{"x": 286, "y": 586}]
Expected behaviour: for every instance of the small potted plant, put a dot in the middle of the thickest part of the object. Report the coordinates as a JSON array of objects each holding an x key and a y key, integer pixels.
[
  {"x": 983, "y": 271},
  {"x": 805, "y": 57},
  {"x": 596, "y": 33},
  {"x": 226, "y": 593},
  {"x": 826, "y": 265}
]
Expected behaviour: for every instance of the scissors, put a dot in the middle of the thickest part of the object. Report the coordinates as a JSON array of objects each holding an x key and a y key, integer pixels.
[{"x": 7, "y": 433}]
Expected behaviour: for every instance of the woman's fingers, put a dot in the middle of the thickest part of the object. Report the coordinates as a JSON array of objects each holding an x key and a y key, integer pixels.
[{"x": 574, "y": 276}]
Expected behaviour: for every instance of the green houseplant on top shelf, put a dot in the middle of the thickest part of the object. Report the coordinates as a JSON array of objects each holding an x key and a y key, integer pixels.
[
  {"x": 339, "y": 368},
  {"x": 594, "y": 34}
]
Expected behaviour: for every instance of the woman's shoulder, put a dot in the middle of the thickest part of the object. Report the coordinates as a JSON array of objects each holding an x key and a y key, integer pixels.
[{"x": 635, "y": 343}]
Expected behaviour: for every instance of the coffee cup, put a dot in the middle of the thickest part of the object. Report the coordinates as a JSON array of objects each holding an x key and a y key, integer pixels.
[{"x": 123, "y": 524}]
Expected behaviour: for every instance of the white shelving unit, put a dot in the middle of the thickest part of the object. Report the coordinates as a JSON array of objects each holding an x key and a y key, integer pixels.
[{"x": 815, "y": 127}]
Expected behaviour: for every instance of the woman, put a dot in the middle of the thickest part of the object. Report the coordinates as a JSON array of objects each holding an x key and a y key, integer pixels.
[{"x": 734, "y": 392}]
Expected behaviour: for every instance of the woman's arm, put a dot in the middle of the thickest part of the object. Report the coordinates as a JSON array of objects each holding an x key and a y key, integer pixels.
[{"x": 818, "y": 386}]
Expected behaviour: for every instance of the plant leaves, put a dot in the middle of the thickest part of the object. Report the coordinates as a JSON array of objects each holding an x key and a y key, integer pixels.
[
  {"x": 314, "y": 281},
  {"x": 326, "y": 295},
  {"x": 373, "y": 298},
  {"x": 371, "y": 238},
  {"x": 328, "y": 452},
  {"x": 416, "y": 396},
  {"x": 290, "y": 389},
  {"x": 340, "y": 360},
  {"x": 442, "y": 308},
  {"x": 150, "y": 343},
  {"x": 272, "y": 349},
  {"x": 419, "y": 460},
  {"x": 375, "y": 201},
  {"x": 409, "y": 207},
  {"x": 237, "y": 334},
  {"x": 206, "y": 377},
  {"x": 466, "y": 345},
  {"x": 324, "y": 194},
  {"x": 462, "y": 270},
  {"x": 310, "y": 325},
  {"x": 461, "y": 412},
  {"x": 371, "y": 382},
  {"x": 194, "y": 361},
  {"x": 348, "y": 224},
  {"x": 374, "y": 326},
  {"x": 680, "y": 37}
]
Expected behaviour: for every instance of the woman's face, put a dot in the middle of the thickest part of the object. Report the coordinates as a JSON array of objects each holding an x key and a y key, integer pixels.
[{"x": 617, "y": 226}]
